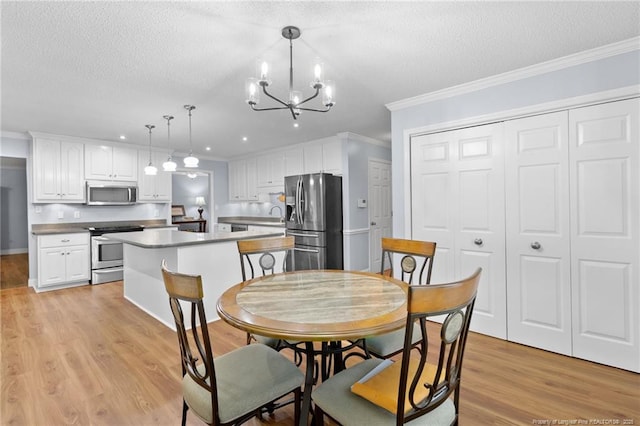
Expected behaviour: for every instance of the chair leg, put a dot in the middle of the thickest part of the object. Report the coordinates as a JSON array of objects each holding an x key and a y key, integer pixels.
[
  {"x": 318, "y": 416},
  {"x": 185, "y": 407},
  {"x": 296, "y": 406}
]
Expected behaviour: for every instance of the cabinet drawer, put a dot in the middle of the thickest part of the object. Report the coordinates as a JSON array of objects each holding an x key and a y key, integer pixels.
[{"x": 63, "y": 240}]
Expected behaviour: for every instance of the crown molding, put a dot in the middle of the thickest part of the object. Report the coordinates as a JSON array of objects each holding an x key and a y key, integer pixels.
[
  {"x": 591, "y": 55},
  {"x": 361, "y": 138},
  {"x": 15, "y": 135}
]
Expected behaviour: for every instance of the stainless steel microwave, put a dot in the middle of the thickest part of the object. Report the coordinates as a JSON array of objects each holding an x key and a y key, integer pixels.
[{"x": 111, "y": 193}]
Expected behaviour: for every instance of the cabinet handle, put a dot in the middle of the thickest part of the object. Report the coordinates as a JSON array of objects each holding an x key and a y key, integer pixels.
[
  {"x": 64, "y": 241},
  {"x": 535, "y": 245},
  {"x": 478, "y": 241}
]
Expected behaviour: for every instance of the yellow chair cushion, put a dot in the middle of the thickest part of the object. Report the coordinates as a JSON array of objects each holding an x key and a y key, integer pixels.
[{"x": 381, "y": 387}]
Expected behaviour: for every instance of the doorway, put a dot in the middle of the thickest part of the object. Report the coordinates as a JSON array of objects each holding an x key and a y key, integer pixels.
[
  {"x": 379, "y": 209},
  {"x": 14, "y": 235},
  {"x": 194, "y": 191}
]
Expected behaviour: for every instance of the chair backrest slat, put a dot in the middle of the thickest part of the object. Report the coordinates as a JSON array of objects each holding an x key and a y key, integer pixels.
[
  {"x": 197, "y": 361},
  {"x": 443, "y": 360},
  {"x": 267, "y": 248},
  {"x": 418, "y": 255}
]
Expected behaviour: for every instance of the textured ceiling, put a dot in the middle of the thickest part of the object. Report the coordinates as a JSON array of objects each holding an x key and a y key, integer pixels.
[{"x": 102, "y": 69}]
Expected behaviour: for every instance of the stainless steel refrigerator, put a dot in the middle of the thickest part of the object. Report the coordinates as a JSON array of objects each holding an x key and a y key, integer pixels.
[{"x": 314, "y": 218}]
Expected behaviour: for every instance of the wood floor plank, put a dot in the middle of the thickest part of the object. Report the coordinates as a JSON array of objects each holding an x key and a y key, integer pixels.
[{"x": 86, "y": 356}]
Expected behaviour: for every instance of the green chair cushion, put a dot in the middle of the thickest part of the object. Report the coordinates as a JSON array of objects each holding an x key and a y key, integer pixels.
[
  {"x": 335, "y": 398},
  {"x": 387, "y": 344},
  {"x": 247, "y": 378}
]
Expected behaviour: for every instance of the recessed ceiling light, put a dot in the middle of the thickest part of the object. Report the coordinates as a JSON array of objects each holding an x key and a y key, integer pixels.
[
  {"x": 296, "y": 125},
  {"x": 208, "y": 148},
  {"x": 244, "y": 139},
  {"x": 123, "y": 137}
]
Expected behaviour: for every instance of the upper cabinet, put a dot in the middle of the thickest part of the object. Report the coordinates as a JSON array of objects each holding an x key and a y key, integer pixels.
[
  {"x": 153, "y": 188},
  {"x": 293, "y": 162},
  {"x": 104, "y": 162},
  {"x": 271, "y": 170},
  {"x": 243, "y": 180},
  {"x": 323, "y": 157},
  {"x": 58, "y": 172}
]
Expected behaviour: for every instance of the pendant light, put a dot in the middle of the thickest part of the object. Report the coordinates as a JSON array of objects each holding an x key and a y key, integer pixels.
[
  {"x": 169, "y": 165},
  {"x": 190, "y": 161},
  {"x": 150, "y": 170}
]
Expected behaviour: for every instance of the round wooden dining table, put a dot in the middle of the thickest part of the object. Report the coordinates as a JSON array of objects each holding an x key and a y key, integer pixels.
[{"x": 316, "y": 306}]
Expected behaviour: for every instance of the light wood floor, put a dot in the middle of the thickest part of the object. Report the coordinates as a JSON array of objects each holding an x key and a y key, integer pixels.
[
  {"x": 14, "y": 270},
  {"x": 86, "y": 356}
]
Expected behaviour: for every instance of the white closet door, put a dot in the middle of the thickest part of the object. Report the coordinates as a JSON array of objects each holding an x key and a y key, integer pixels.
[
  {"x": 538, "y": 234},
  {"x": 458, "y": 202},
  {"x": 433, "y": 199},
  {"x": 605, "y": 252}
]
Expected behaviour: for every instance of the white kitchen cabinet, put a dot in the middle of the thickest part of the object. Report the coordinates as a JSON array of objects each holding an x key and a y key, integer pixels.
[
  {"x": 63, "y": 259},
  {"x": 324, "y": 157},
  {"x": 103, "y": 162},
  {"x": 293, "y": 162},
  {"x": 58, "y": 171},
  {"x": 313, "y": 158},
  {"x": 243, "y": 180},
  {"x": 153, "y": 188},
  {"x": 224, "y": 227},
  {"x": 237, "y": 180},
  {"x": 332, "y": 157},
  {"x": 458, "y": 202},
  {"x": 271, "y": 170}
]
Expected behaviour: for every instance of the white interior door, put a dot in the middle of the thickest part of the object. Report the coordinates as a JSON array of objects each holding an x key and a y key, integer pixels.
[
  {"x": 605, "y": 253},
  {"x": 379, "y": 210},
  {"x": 458, "y": 202},
  {"x": 538, "y": 234}
]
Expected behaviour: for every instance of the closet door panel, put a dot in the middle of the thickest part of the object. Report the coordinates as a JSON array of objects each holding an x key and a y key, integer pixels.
[
  {"x": 479, "y": 230},
  {"x": 605, "y": 188},
  {"x": 538, "y": 232},
  {"x": 433, "y": 199}
]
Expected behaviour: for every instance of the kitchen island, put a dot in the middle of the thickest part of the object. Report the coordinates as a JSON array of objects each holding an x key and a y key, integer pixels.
[{"x": 212, "y": 255}]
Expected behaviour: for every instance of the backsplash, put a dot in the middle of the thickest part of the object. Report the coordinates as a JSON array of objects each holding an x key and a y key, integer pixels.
[{"x": 72, "y": 213}]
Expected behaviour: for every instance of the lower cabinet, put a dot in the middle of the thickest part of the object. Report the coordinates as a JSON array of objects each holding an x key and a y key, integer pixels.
[{"x": 63, "y": 259}]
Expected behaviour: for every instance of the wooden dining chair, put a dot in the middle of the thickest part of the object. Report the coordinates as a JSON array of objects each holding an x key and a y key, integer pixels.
[
  {"x": 423, "y": 384},
  {"x": 408, "y": 260},
  {"x": 233, "y": 387},
  {"x": 260, "y": 257}
]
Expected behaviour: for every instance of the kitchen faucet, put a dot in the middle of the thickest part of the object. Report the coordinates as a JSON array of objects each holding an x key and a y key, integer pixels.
[{"x": 279, "y": 209}]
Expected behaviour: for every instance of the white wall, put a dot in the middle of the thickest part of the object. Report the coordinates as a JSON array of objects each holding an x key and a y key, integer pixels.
[{"x": 599, "y": 70}]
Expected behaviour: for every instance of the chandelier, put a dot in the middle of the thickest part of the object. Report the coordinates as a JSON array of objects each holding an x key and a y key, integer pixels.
[{"x": 294, "y": 104}]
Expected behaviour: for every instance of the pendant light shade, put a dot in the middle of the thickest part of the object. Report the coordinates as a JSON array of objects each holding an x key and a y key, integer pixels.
[
  {"x": 190, "y": 161},
  {"x": 169, "y": 165},
  {"x": 150, "y": 170}
]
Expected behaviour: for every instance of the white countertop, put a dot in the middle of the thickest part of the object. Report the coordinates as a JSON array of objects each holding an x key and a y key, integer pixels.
[{"x": 159, "y": 238}]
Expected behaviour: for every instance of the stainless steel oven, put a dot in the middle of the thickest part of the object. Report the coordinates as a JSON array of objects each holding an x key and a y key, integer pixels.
[{"x": 107, "y": 255}]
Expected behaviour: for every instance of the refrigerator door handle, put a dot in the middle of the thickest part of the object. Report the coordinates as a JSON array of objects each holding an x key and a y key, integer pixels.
[
  {"x": 306, "y": 250},
  {"x": 302, "y": 201},
  {"x": 295, "y": 234}
]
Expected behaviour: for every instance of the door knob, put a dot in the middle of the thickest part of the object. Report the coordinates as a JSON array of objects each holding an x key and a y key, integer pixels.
[
  {"x": 373, "y": 224},
  {"x": 535, "y": 245},
  {"x": 478, "y": 241}
]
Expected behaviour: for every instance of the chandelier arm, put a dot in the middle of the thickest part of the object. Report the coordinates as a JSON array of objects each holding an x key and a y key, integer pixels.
[
  {"x": 310, "y": 97},
  {"x": 268, "y": 109},
  {"x": 293, "y": 113},
  {"x": 264, "y": 90},
  {"x": 314, "y": 110}
]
